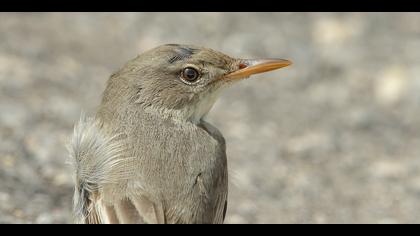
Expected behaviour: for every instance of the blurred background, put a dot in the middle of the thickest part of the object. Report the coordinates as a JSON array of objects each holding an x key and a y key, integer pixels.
[{"x": 335, "y": 138}]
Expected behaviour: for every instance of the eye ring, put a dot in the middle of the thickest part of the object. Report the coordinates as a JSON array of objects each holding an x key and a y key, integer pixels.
[{"x": 190, "y": 75}]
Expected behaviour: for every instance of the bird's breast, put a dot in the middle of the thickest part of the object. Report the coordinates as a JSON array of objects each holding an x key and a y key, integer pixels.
[{"x": 185, "y": 166}]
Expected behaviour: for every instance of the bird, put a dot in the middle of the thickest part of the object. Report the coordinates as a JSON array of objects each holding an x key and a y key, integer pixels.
[{"x": 148, "y": 155}]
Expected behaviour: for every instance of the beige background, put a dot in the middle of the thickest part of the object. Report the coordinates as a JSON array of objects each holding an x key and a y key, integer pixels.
[{"x": 333, "y": 139}]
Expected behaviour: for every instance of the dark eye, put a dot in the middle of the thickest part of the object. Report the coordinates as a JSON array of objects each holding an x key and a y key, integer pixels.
[{"x": 190, "y": 74}]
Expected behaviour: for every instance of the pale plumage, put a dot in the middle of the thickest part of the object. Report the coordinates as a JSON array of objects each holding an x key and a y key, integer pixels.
[{"x": 148, "y": 156}]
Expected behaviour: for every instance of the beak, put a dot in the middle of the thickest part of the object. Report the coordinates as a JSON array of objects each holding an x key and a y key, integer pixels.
[{"x": 249, "y": 67}]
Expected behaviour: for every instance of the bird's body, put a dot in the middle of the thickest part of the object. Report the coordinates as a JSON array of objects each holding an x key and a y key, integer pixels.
[
  {"x": 193, "y": 188},
  {"x": 148, "y": 156}
]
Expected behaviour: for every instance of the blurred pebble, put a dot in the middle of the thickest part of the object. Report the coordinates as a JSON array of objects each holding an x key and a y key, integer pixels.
[
  {"x": 391, "y": 85},
  {"x": 388, "y": 169}
]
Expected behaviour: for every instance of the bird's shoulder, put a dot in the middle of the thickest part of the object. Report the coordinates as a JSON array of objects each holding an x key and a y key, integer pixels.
[{"x": 213, "y": 132}]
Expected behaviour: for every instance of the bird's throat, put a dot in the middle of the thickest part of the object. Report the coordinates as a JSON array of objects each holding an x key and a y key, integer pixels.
[
  {"x": 202, "y": 107},
  {"x": 191, "y": 113}
]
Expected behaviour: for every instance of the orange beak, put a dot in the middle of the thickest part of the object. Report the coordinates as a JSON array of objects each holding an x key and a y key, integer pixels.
[{"x": 249, "y": 67}]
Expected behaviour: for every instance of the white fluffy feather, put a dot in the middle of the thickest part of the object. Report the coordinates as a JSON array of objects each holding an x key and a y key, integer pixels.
[{"x": 96, "y": 160}]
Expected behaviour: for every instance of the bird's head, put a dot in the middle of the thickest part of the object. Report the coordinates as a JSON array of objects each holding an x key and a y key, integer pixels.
[{"x": 181, "y": 81}]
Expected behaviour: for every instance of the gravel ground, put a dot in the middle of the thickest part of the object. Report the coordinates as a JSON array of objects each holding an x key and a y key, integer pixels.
[{"x": 333, "y": 139}]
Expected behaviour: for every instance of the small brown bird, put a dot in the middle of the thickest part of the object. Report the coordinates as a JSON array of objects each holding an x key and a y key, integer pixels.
[{"x": 148, "y": 155}]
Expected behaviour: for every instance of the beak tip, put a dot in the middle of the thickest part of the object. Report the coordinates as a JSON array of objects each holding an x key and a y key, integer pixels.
[{"x": 288, "y": 63}]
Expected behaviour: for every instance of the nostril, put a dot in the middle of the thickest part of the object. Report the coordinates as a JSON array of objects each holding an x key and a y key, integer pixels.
[{"x": 242, "y": 65}]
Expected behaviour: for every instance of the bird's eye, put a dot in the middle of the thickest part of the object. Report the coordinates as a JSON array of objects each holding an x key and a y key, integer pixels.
[{"x": 190, "y": 74}]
